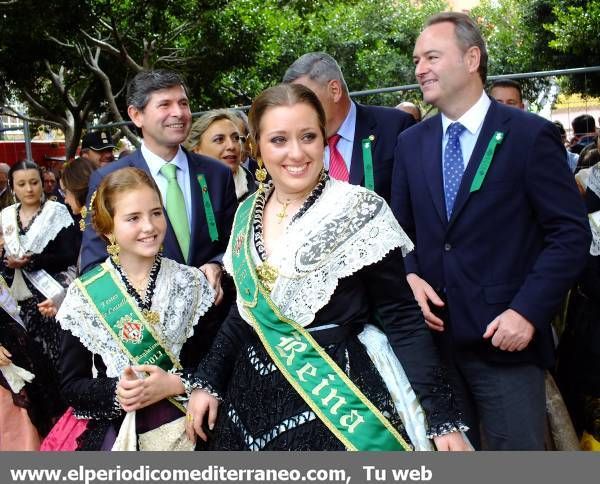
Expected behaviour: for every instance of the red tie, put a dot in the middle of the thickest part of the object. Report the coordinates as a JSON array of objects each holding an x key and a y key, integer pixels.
[{"x": 337, "y": 166}]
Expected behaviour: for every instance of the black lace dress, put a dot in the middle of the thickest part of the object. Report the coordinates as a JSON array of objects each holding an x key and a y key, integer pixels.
[
  {"x": 39, "y": 396},
  {"x": 260, "y": 410},
  {"x": 43, "y": 333},
  {"x": 57, "y": 256}
]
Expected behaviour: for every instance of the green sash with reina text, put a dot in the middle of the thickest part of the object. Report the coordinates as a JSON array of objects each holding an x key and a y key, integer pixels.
[
  {"x": 325, "y": 388},
  {"x": 124, "y": 321}
]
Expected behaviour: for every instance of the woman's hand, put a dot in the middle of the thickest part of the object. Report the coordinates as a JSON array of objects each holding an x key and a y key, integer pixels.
[
  {"x": 135, "y": 393},
  {"x": 47, "y": 308},
  {"x": 129, "y": 390},
  {"x": 201, "y": 403},
  {"x": 5, "y": 356},
  {"x": 454, "y": 441},
  {"x": 16, "y": 262}
]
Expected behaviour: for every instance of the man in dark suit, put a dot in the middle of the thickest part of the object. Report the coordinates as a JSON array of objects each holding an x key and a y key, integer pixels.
[
  {"x": 500, "y": 234},
  {"x": 159, "y": 107},
  {"x": 356, "y": 134}
]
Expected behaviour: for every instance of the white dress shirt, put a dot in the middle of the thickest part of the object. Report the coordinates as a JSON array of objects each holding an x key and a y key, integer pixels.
[
  {"x": 345, "y": 145},
  {"x": 473, "y": 121},
  {"x": 155, "y": 163}
]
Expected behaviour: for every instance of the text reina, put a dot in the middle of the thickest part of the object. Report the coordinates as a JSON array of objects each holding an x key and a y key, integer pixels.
[{"x": 287, "y": 349}]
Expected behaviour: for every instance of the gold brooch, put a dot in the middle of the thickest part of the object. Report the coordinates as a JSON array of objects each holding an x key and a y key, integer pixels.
[
  {"x": 267, "y": 274},
  {"x": 151, "y": 316}
]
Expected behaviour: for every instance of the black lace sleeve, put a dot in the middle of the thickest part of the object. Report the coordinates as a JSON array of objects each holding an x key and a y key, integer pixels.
[
  {"x": 90, "y": 397},
  {"x": 59, "y": 254},
  {"x": 214, "y": 371},
  {"x": 400, "y": 316}
]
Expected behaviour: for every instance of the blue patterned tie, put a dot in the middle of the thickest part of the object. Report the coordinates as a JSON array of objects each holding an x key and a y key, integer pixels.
[{"x": 453, "y": 165}]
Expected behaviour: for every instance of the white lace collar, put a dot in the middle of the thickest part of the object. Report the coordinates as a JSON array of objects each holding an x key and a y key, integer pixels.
[
  {"x": 347, "y": 228},
  {"x": 52, "y": 219},
  {"x": 182, "y": 295}
]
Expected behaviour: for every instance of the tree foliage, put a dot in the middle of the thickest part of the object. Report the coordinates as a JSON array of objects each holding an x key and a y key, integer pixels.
[
  {"x": 539, "y": 35},
  {"x": 575, "y": 30},
  {"x": 70, "y": 60}
]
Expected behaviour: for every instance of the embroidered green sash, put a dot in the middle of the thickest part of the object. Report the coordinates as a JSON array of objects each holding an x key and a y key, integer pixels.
[
  {"x": 124, "y": 321},
  {"x": 326, "y": 389}
]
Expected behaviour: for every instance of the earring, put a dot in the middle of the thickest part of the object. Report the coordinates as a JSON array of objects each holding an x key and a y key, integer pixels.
[
  {"x": 83, "y": 213},
  {"x": 113, "y": 250},
  {"x": 261, "y": 174}
]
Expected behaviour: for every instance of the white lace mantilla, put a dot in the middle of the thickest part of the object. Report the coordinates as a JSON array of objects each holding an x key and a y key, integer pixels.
[
  {"x": 182, "y": 295},
  {"x": 52, "y": 219},
  {"x": 593, "y": 183},
  {"x": 347, "y": 228}
]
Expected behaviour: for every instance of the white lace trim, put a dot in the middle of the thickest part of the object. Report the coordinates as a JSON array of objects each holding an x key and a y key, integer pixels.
[
  {"x": 347, "y": 228},
  {"x": 53, "y": 218},
  {"x": 181, "y": 297}
]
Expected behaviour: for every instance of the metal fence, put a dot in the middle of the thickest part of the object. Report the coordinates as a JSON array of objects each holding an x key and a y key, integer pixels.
[{"x": 406, "y": 87}]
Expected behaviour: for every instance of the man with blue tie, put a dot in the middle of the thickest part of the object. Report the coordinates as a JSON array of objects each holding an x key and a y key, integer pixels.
[
  {"x": 198, "y": 193},
  {"x": 361, "y": 139},
  {"x": 500, "y": 234}
]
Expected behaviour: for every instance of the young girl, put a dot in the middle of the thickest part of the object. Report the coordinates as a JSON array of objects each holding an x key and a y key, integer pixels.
[{"x": 130, "y": 317}]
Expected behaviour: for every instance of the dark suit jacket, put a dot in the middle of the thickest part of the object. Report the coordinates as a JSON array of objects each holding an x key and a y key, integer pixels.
[
  {"x": 385, "y": 124},
  {"x": 202, "y": 250},
  {"x": 519, "y": 242},
  {"x": 7, "y": 198}
]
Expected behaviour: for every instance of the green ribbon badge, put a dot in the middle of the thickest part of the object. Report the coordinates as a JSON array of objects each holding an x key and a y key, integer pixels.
[
  {"x": 367, "y": 143},
  {"x": 486, "y": 161},
  {"x": 208, "y": 210}
]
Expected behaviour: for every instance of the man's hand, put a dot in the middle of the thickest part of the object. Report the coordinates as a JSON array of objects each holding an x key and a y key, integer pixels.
[
  {"x": 213, "y": 273},
  {"x": 424, "y": 293},
  {"x": 510, "y": 331}
]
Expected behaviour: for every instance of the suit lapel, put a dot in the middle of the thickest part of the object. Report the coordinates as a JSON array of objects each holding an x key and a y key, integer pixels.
[
  {"x": 365, "y": 126},
  {"x": 493, "y": 122},
  {"x": 198, "y": 216},
  {"x": 431, "y": 161}
]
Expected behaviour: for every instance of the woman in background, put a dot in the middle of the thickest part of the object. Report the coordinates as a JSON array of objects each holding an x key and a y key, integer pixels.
[
  {"x": 216, "y": 134},
  {"x": 40, "y": 244}
]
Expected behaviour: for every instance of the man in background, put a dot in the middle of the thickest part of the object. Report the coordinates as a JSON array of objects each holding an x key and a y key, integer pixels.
[
  {"x": 507, "y": 91},
  {"x": 98, "y": 147},
  {"x": 6, "y": 195},
  {"x": 361, "y": 139}
]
